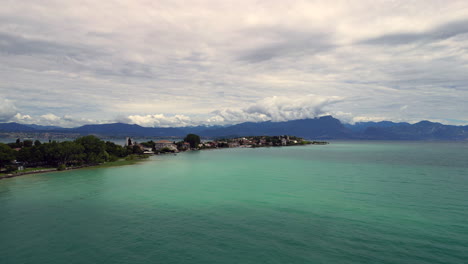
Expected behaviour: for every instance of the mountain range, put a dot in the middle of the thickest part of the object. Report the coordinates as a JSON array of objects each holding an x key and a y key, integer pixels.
[{"x": 321, "y": 128}]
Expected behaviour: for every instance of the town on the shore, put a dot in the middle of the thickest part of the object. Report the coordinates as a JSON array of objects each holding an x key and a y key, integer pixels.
[
  {"x": 28, "y": 156},
  {"x": 193, "y": 142}
]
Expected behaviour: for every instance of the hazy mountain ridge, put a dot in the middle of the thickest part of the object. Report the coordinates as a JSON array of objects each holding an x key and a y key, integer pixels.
[
  {"x": 325, "y": 127},
  {"x": 423, "y": 130},
  {"x": 15, "y": 127},
  {"x": 121, "y": 129},
  {"x": 40, "y": 127},
  {"x": 362, "y": 126}
]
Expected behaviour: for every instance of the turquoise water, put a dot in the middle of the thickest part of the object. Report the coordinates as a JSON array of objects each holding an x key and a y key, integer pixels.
[{"x": 347, "y": 202}]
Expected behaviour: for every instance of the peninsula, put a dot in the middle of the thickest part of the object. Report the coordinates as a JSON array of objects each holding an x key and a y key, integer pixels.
[{"x": 27, "y": 157}]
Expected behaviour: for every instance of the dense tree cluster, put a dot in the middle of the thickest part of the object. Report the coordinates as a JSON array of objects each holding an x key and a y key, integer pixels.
[
  {"x": 84, "y": 150},
  {"x": 193, "y": 139},
  {"x": 7, "y": 154},
  {"x": 89, "y": 150}
]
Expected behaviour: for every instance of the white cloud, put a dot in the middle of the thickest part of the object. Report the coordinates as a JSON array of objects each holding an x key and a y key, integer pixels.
[
  {"x": 50, "y": 117},
  {"x": 277, "y": 108},
  {"x": 158, "y": 120},
  {"x": 54, "y": 120},
  {"x": 274, "y": 108},
  {"x": 7, "y": 109},
  {"x": 22, "y": 118}
]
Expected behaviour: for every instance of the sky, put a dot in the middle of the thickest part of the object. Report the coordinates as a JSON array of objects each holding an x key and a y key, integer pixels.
[{"x": 184, "y": 63}]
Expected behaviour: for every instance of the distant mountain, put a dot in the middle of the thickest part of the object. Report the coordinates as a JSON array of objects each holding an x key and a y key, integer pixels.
[
  {"x": 362, "y": 126},
  {"x": 115, "y": 129},
  {"x": 424, "y": 130},
  {"x": 39, "y": 127},
  {"x": 198, "y": 129},
  {"x": 15, "y": 127},
  {"x": 325, "y": 127},
  {"x": 120, "y": 129}
]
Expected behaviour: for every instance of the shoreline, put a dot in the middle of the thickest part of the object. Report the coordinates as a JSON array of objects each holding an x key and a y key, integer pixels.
[
  {"x": 117, "y": 163},
  {"x": 124, "y": 162},
  {"x": 13, "y": 175}
]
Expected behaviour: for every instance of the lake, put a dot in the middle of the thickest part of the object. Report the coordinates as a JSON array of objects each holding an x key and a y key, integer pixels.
[{"x": 347, "y": 202}]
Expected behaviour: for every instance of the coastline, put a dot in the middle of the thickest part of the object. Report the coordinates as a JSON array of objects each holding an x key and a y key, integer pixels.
[
  {"x": 249, "y": 142},
  {"x": 117, "y": 163}
]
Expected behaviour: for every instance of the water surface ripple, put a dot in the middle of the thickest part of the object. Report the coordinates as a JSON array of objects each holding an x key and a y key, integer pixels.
[{"x": 348, "y": 202}]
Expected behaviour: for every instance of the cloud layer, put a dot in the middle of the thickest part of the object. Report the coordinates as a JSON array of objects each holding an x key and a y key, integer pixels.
[
  {"x": 162, "y": 63},
  {"x": 276, "y": 109},
  {"x": 7, "y": 109}
]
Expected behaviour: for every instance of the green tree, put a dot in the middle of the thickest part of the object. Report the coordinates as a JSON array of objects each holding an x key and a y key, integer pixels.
[
  {"x": 50, "y": 153},
  {"x": 149, "y": 144},
  {"x": 68, "y": 151},
  {"x": 193, "y": 139},
  {"x": 27, "y": 143},
  {"x": 7, "y": 155},
  {"x": 137, "y": 150},
  {"x": 19, "y": 144},
  {"x": 37, "y": 154},
  {"x": 94, "y": 149},
  {"x": 25, "y": 155},
  {"x": 115, "y": 150}
]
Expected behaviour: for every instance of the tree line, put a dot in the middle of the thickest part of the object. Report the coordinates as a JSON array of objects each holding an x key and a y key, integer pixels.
[{"x": 82, "y": 151}]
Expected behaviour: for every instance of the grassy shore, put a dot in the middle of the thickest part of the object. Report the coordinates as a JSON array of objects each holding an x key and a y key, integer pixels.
[
  {"x": 121, "y": 162},
  {"x": 37, "y": 170}
]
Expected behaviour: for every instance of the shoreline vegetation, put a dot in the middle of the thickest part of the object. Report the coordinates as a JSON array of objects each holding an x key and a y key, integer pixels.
[
  {"x": 29, "y": 171},
  {"x": 28, "y": 157}
]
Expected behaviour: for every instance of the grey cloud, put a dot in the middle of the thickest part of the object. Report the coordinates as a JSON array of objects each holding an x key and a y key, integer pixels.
[
  {"x": 445, "y": 31},
  {"x": 285, "y": 42},
  {"x": 191, "y": 59},
  {"x": 75, "y": 58},
  {"x": 18, "y": 45},
  {"x": 127, "y": 69}
]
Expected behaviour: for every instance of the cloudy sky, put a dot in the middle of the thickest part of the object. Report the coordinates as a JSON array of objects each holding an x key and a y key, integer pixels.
[{"x": 174, "y": 63}]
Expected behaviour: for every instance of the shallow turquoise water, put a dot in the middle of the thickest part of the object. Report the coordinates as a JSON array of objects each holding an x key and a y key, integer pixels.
[{"x": 348, "y": 202}]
